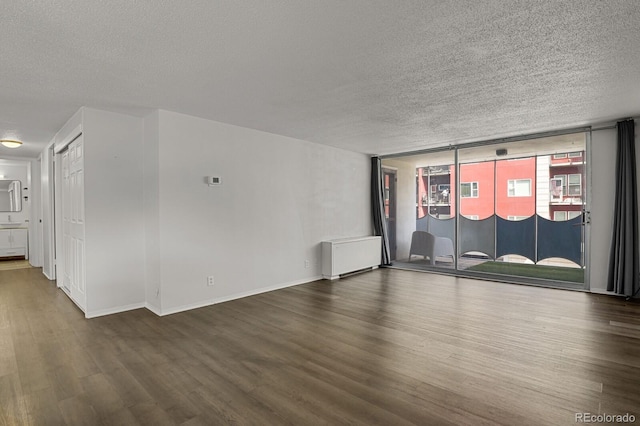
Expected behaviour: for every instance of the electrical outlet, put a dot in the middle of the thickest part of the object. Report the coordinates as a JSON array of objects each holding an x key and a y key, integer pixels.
[
  {"x": 306, "y": 263},
  {"x": 210, "y": 280}
]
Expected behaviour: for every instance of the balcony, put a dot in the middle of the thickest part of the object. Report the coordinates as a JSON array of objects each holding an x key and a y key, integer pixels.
[
  {"x": 569, "y": 201},
  {"x": 436, "y": 171}
]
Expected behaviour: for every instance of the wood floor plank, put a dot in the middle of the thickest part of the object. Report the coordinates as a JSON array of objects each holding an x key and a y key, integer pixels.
[
  {"x": 64, "y": 382},
  {"x": 43, "y": 408},
  {"x": 385, "y": 347},
  {"x": 78, "y": 410},
  {"x": 13, "y": 407},
  {"x": 149, "y": 413}
]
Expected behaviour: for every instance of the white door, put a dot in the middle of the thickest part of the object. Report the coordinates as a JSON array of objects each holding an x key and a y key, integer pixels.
[
  {"x": 64, "y": 268},
  {"x": 73, "y": 221}
]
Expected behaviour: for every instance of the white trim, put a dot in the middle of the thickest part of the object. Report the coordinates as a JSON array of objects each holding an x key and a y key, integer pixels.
[
  {"x": 562, "y": 177},
  {"x": 116, "y": 310},
  {"x": 68, "y": 293},
  {"x": 608, "y": 293},
  {"x": 470, "y": 183},
  {"x": 48, "y": 206},
  {"x": 515, "y": 184},
  {"x": 575, "y": 213},
  {"x": 153, "y": 309},
  {"x": 73, "y": 135},
  {"x": 569, "y": 184},
  {"x": 556, "y": 216},
  {"x": 586, "y": 236},
  {"x": 215, "y": 301}
]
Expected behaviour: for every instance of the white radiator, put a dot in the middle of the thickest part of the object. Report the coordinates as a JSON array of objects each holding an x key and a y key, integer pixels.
[{"x": 349, "y": 254}]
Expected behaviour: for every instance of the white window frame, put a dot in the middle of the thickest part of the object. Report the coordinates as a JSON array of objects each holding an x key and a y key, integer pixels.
[
  {"x": 579, "y": 184},
  {"x": 515, "y": 218},
  {"x": 513, "y": 184},
  {"x": 568, "y": 214},
  {"x": 551, "y": 195},
  {"x": 573, "y": 214},
  {"x": 472, "y": 216},
  {"x": 474, "y": 190},
  {"x": 559, "y": 156},
  {"x": 564, "y": 183},
  {"x": 575, "y": 154},
  {"x": 557, "y": 213}
]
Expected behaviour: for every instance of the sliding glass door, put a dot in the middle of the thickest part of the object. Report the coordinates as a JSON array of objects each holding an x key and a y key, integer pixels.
[
  {"x": 521, "y": 209},
  {"x": 436, "y": 210},
  {"x": 511, "y": 210}
]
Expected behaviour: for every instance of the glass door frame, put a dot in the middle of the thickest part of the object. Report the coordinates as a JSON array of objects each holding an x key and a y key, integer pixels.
[{"x": 586, "y": 234}]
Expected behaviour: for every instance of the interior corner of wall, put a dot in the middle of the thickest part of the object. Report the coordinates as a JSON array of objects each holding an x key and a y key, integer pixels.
[{"x": 154, "y": 308}]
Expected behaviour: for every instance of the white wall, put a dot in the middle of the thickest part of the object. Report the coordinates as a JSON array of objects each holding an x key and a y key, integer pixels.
[
  {"x": 114, "y": 215},
  {"x": 543, "y": 195},
  {"x": 46, "y": 207},
  {"x": 151, "y": 207},
  {"x": 71, "y": 129},
  {"x": 154, "y": 230},
  {"x": 603, "y": 184},
  {"x": 35, "y": 226},
  {"x": 279, "y": 199}
]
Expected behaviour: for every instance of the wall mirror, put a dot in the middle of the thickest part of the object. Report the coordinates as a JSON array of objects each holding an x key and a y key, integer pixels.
[{"x": 10, "y": 196}]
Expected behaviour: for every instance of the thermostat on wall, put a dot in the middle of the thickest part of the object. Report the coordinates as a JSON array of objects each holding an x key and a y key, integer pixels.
[{"x": 214, "y": 180}]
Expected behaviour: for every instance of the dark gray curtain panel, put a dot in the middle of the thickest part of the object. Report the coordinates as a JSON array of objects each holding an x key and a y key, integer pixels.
[
  {"x": 623, "y": 261},
  {"x": 377, "y": 209}
]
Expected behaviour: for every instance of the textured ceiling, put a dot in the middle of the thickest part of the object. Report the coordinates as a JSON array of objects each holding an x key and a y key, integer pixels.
[{"x": 369, "y": 76}]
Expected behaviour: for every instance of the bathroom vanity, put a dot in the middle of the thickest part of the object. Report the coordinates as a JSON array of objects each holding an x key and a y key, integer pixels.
[{"x": 13, "y": 242}]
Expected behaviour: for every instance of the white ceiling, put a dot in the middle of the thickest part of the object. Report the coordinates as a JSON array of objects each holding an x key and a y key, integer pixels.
[{"x": 370, "y": 76}]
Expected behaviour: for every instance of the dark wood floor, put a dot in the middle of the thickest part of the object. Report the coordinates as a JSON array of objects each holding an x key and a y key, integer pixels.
[{"x": 387, "y": 347}]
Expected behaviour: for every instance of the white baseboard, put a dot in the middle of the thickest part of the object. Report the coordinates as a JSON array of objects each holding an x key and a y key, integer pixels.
[
  {"x": 215, "y": 301},
  {"x": 153, "y": 309},
  {"x": 161, "y": 312},
  {"x": 603, "y": 291},
  {"x": 116, "y": 310}
]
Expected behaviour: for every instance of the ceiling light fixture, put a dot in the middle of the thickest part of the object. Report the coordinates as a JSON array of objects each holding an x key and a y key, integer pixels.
[{"x": 10, "y": 143}]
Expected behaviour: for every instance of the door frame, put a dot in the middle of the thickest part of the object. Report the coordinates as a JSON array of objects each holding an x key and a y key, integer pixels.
[
  {"x": 56, "y": 173},
  {"x": 393, "y": 212}
]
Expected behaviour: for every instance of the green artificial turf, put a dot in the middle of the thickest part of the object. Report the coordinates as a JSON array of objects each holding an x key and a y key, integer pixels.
[{"x": 555, "y": 273}]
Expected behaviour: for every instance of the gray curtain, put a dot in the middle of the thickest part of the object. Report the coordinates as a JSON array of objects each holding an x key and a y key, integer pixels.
[
  {"x": 377, "y": 208},
  {"x": 623, "y": 261}
]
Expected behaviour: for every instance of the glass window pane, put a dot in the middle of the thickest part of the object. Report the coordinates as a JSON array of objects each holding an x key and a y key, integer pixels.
[
  {"x": 574, "y": 214},
  {"x": 519, "y": 187},
  {"x": 575, "y": 184},
  {"x": 558, "y": 216},
  {"x": 465, "y": 190}
]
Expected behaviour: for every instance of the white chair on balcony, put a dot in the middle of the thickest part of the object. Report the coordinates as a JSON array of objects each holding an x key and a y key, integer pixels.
[{"x": 428, "y": 245}]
